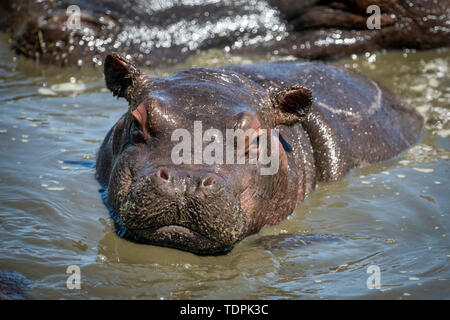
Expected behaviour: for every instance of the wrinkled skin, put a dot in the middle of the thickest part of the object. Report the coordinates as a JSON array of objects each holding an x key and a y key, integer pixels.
[
  {"x": 329, "y": 119},
  {"x": 159, "y": 33}
]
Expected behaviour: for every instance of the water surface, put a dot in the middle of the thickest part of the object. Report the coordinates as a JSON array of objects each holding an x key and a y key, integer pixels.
[{"x": 394, "y": 215}]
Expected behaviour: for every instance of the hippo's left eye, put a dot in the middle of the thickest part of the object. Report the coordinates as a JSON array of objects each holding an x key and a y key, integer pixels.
[{"x": 136, "y": 132}]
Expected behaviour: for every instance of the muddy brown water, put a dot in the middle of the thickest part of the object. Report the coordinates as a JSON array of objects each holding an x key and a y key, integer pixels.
[{"x": 394, "y": 215}]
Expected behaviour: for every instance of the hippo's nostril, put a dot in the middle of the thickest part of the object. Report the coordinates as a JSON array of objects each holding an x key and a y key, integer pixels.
[
  {"x": 163, "y": 175},
  {"x": 208, "y": 182}
]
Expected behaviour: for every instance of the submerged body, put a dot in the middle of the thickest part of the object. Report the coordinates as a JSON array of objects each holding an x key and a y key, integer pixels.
[{"x": 329, "y": 120}]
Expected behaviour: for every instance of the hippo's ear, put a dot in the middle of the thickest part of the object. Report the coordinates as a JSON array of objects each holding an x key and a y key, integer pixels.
[
  {"x": 120, "y": 74},
  {"x": 291, "y": 104}
]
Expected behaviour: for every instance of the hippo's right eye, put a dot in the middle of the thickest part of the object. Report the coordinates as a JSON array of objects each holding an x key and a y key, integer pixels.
[
  {"x": 138, "y": 128},
  {"x": 136, "y": 125}
]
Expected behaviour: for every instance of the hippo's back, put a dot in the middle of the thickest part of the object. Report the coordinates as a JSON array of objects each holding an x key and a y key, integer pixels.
[{"x": 354, "y": 120}]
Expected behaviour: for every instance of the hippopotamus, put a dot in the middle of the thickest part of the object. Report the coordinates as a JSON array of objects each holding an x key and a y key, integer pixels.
[
  {"x": 161, "y": 33},
  {"x": 327, "y": 121}
]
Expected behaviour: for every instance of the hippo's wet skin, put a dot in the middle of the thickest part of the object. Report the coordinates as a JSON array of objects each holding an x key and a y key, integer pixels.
[
  {"x": 157, "y": 33},
  {"x": 329, "y": 119},
  {"x": 323, "y": 29}
]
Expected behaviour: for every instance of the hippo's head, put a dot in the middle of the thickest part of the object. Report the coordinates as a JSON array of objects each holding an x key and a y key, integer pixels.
[{"x": 197, "y": 205}]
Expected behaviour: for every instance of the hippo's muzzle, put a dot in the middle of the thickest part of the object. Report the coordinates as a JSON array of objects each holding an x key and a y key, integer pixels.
[{"x": 189, "y": 210}]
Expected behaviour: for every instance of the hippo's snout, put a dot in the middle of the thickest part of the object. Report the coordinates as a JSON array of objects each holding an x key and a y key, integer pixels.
[{"x": 192, "y": 210}]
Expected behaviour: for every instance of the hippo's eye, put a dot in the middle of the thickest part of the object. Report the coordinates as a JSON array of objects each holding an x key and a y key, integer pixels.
[
  {"x": 136, "y": 132},
  {"x": 254, "y": 145},
  {"x": 136, "y": 125},
  {"x": 255, "y": 142}
]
